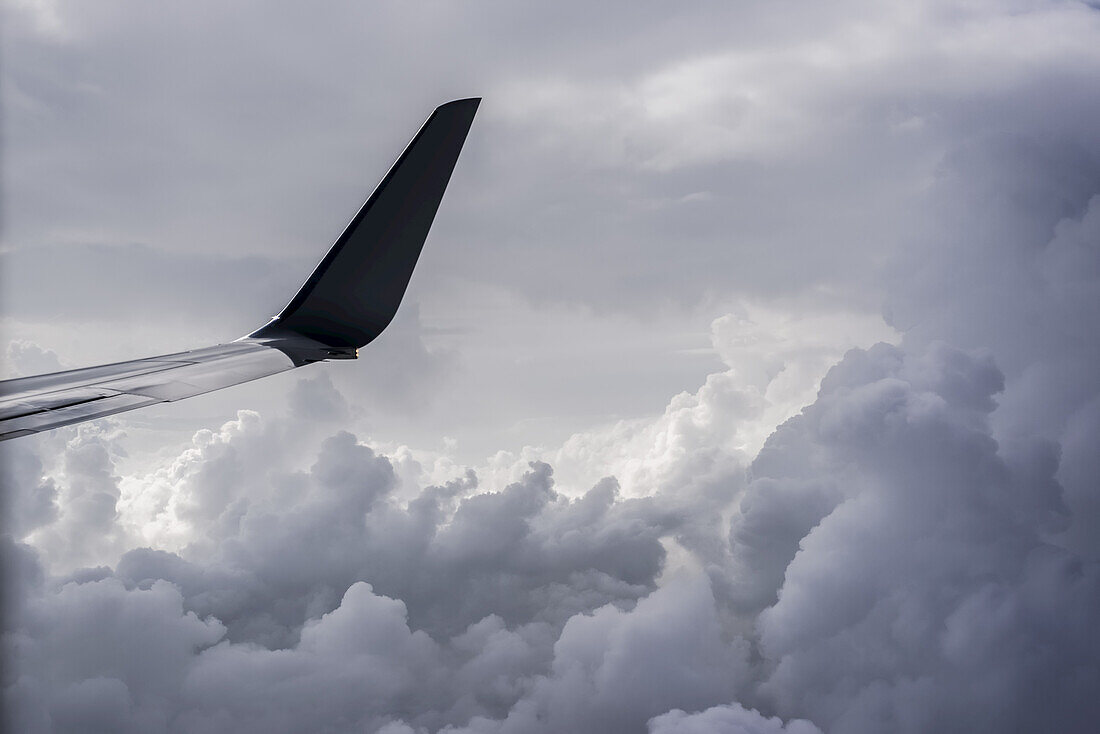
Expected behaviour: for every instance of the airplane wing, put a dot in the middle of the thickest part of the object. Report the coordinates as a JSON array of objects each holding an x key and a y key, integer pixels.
[{"x": 346, "y": 302}]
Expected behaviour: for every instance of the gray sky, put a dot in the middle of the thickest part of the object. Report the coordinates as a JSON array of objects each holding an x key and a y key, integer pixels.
[{"x": 746, "y": 383}]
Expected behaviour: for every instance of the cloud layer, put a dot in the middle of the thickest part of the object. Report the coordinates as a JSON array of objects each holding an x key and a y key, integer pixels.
[{"x": 886, "y": 566}]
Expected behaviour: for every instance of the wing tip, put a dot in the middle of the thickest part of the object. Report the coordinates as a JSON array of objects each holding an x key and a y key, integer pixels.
[{"x": 465, "y": 101}]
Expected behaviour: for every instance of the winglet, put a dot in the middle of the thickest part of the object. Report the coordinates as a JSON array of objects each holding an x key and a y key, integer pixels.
[{"x": 354, "y": 292}]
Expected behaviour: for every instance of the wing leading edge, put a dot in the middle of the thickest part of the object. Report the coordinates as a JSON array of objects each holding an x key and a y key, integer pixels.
[{"x": 348, "y": 300}]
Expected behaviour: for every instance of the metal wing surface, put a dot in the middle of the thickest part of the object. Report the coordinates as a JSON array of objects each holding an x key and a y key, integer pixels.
[{"x": 347, "y": 301}]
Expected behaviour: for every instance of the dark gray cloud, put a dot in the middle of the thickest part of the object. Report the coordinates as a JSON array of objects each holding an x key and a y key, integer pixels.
[
  {"x": 888, "y": 566},
  {"x": 914, "y": 602},
  {"x": 497, "y": 574},
  {"x": 1007, "y": 262}
]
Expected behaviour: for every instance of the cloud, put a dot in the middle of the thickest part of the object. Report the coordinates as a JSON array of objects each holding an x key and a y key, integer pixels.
[
  {"x": 918, "y": 578},
  {"x": 884, "y": 556},
  {"x": 247, "y": 289},
  {"x": 827, "y": 534},
  {"x": 734, "y": 719},
  {"x": 1018, "y": 216},
  {"x": 583, "y": 151},
  {"x": 613, "y": 670},
  {"x": 30, "y": 498},
  {"x": 23, "y": 358},
  {"x": 300, "y": 623},
  {"x": 120, "y": 678}
]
